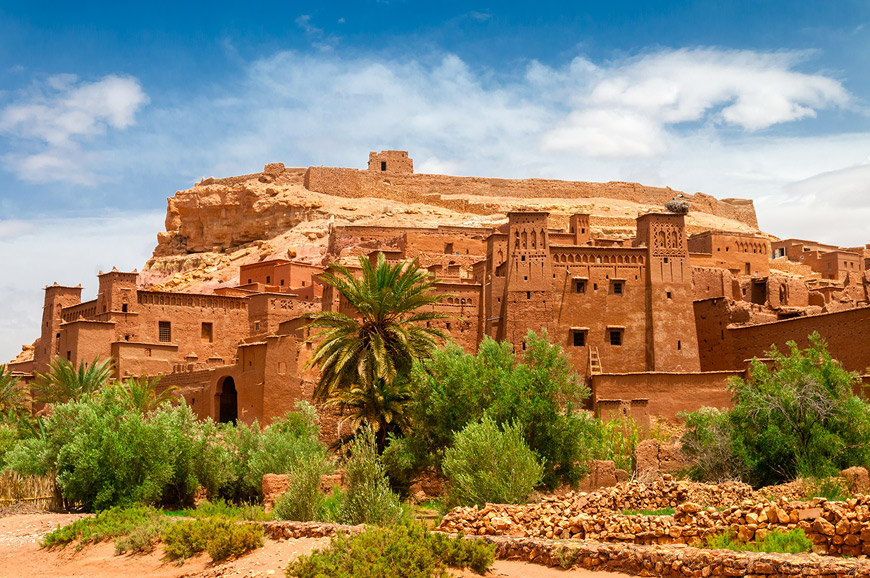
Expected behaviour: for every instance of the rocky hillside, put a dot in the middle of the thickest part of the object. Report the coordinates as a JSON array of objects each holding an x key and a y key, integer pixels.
[{"x": 220, "y": 224}]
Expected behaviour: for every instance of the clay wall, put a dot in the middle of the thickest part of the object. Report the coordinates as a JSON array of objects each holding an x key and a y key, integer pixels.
[
  {"x": 740, "y": 254},
  {"x": 595, "y": 308},
  {"x": 266, "y": 311},
  {"x": 463, "y": 308},
  {"x": 194, "y": 387},
  {"x": 187, "y": 315},
  {"x": 728, "y": 348},
  {"x": 138, "y": 359},
  {"x": 85, "y": 341},
  {"x": 710, "y": 282},
  {"x": 668, "y": 393}
]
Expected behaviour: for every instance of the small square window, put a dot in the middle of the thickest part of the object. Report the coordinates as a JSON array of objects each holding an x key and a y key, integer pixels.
[
  {"x": 447, "y": 325},
  {"x": 268, "y": 279},
  {"x": 383, "y": 165},
  {"x": 579, "y": 339},
  {"x": 164, "y": 331},
  {"x": 617, "y": 287},
  {"x": 124, "y": 308},
  {"x": 615, "y": 337},
  {"x": 580, "y": 287},
  {"x": 668, "y": 293},
  {"x": 250, "y": 281}
]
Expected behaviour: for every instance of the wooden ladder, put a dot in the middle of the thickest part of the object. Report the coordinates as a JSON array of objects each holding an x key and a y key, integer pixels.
[{"x": 594, "y": 361}]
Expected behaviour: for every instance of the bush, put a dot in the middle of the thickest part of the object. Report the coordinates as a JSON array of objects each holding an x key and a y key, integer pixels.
[
  {"x": 795, "y": 417},
  {"x": 538, "y": 390},
  {"x": 487, "y": 464},
  {"x": 303, "y": 501},
  {"x": 776, "y": 541},
  {"x": 708, "y": 445},
  {"x": 406, "y": 551},
  {"x": 184, "y": 539},
  {"x": 369, "y": 499},
  {"x": 115, "y": 523},
  {"x": 234, "y": 539}
]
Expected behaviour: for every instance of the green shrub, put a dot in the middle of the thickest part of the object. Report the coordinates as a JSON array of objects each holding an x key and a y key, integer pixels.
[
  {"x": 109, "y": 524},
  {"x": 795, "y": 417},
  {"x": 487, "y": 464},
  {"x": 234, "y": 540},
  {"x": 792, "y": 542},
  {"x": 403, "y": 551},
  {"x": 538, "y": 390},
  {"x": 142, "y": 537},
  {"x": 220, "y": 537},
  {"x": 303, "y": 501},
  {"x": 184, "y": 539},
  {"x": 368, "y": 498}
]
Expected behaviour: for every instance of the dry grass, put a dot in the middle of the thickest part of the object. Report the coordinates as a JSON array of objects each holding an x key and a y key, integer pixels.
[{"x": 39, "y": 492}]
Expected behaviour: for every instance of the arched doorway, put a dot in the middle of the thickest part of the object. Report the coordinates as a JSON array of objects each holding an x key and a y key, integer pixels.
[{"x": 227, "y": 401}]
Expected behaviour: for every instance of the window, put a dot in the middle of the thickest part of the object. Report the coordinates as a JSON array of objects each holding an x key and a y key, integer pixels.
[
  {"x": 69, "y": 355},
  {"x": 615, "y": 337},
  {"x": 282, "y": 283},
  {"x": 528, "y": 294},
  {"x": 147, "y": 352},
  {"x": 268, "y": 279},
  {"x": 666, "y": 259},
  {"x": 679, "y": 345},
  {"x": 256, "y": 326},
  {"x": 447, "y": 325},
  {"x": 580, "y": 287},
  {"x": 448, "y": 248},
  {"x": 124, "y": 308},
  {"x": 303, "y": 283},
  {"x": 250, "y": 281},
  {"x": 164, "y": 331},
  {"x": 207, "y": 332},
  {"x": 748, "y": 268},
  {"x": 579, "y": 339},
  {"x": 668, "y": 293},
  {"x": 383, "y": 165},
  {"x": 617, "y": 287}
]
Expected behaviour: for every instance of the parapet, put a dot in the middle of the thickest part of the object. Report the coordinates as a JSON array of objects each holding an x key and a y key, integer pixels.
[{"x": 391, "y": 161}]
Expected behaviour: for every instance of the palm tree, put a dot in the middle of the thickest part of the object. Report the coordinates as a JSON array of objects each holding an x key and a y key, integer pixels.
[
  {"x": 381, "y": 406},
  {"x": 375, "y": 348},
  {"x": 13, "y": 395},
  {"x": 64, "y": 382},
  {"x": 140, "y": 394}
]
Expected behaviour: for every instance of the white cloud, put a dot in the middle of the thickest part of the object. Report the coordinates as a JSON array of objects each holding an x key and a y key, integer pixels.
[
  {"x": 53, "y": 119},
  {"x": 630, "y": 105}
]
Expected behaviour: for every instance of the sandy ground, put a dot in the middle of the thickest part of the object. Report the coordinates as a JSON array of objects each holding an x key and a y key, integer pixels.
[{"x": 21, "y": 557}]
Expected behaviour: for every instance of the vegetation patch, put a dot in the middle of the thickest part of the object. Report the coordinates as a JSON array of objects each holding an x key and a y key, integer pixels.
[
  {"x": 133, "y": 529},
  {"x": 220, "y": 537},
  {"x": 776, "y": 541},
  {"x": 658, "y": 512},
  {"x": 406, "y": 551}
]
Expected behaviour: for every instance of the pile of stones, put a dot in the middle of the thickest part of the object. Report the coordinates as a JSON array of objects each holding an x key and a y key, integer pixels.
[{"x": 701, "y": 510}]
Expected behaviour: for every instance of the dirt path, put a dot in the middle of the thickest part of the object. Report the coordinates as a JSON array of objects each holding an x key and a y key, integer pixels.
[{"x": 21, "y": 557}]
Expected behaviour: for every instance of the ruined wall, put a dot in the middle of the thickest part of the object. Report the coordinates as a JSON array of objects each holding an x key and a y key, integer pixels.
[
  {"x": 740, "y": 254},
  {"x": 414, "y": 187},
  {"x": 668, "y": 393}
]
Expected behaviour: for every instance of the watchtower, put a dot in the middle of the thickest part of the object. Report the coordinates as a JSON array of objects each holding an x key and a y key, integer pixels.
[{"x": 391, "y": 161}]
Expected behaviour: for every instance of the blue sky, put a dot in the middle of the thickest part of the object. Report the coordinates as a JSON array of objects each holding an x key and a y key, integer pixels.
[{"x": 108, "y": 108}]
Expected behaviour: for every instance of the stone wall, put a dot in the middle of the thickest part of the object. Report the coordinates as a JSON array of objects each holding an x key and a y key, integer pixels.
[{"x": 433, "y": 189}]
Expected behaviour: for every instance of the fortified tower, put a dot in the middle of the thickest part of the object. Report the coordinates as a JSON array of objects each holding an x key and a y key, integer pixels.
[
  {"x": 579, "y": 227},
  {"x": 117, "y": 293},
  {"x": 529, "y": 278},
  {"x": 671, "y": 340},
  {"x": 391, "y": 161},
  {"x": 56, "y": 298}
]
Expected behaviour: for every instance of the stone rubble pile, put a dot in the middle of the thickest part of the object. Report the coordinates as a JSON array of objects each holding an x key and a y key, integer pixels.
[{"x": 839, "y": 528}]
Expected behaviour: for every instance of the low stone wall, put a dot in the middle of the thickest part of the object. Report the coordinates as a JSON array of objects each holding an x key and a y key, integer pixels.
[
  {"x": 291, "y": 530},
  {"x": 673, "y": 561}
]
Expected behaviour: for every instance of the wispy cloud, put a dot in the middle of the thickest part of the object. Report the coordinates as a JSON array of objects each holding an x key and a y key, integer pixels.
[
  {"x": 317, "y": 36},
  {"x": 53, "y": 119}
]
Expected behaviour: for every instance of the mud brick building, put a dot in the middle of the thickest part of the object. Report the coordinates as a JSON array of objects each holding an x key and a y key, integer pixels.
[{"x": 655, "y": 322}]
